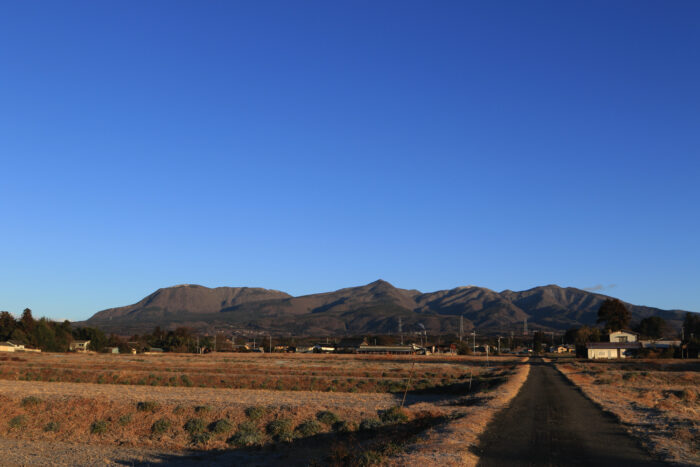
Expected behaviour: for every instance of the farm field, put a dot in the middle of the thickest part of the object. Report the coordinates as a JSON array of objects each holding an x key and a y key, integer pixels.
[
  {"x": 657, "y": 401},
  {"x": 241, "y": 408}
]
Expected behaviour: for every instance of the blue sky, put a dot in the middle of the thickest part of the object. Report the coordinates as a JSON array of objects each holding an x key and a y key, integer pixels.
[{"x": 308, "y": 146}]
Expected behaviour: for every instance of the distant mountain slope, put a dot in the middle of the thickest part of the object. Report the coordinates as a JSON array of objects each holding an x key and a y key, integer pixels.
[{"x": 373, "y": 308}]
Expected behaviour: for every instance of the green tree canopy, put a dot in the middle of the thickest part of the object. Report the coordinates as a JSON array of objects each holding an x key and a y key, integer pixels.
[
  {"x": 652, "y": 327},
  {"x": 614, "y": 314}
]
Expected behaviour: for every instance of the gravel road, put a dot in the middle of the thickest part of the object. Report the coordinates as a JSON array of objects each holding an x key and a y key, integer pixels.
[{"x": 550, "y": 423}]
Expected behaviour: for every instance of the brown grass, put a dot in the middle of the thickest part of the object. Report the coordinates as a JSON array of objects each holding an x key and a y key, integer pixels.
[
  {"x": 655, "y": 400},
  {"x": 171, "y": 418}
]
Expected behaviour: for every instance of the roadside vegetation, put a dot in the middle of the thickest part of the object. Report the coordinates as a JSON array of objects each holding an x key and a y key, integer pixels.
[{"x": 658, "y": 401}]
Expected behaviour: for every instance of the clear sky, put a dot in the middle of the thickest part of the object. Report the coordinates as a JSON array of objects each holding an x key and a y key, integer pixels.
[{"x": 308, "y": 146}]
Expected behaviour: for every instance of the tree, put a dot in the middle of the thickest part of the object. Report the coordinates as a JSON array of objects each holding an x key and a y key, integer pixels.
[
  {"x": 27, "y": 321},
  {"x": 652, "y": 327},
  {"x": 582, "y": 335},
  {"x": 691, "y": 326},
  {"x": 614, "y": 314}
]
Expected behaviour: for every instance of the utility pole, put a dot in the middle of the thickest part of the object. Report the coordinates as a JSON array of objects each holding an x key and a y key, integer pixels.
[
  {"x": 270, "y": 343},
  {"x": 499, "y": 345},
  {"x": 461, "y": 327},
  {"x": 401, "y": 330},
  {"x": 474, "y": 334}
]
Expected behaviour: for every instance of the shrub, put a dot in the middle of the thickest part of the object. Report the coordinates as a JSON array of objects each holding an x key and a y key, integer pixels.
[
  {"x": 160, "y": 426},
  {"x": 370, "y": 424},
  {"x": 51, "y": 426},
  {"x": 327, "y": 417},
  {"x": 393, "y": 415},
  {"x": 222, "y": 426},
  {"x": 309, "y": 428},
  {"x": 30, "y": 401},
  {"x": 195, "y": 425},
  {"x": 255, "y": 413},
  {"x": 202, "y": 409},
  {"x": 248, "y": 434},
  {"x": 281, "y": 429},
  {"x": 200, "y": 438},
  {"x": 125, "y": 419},
  {"x": 147, "y": 406},
  {"x": 344, "y": 427},
  {"x": 186, "y": 381},
  {"x": 98, "y": 427},
  {"x": 17, "y": 422}
]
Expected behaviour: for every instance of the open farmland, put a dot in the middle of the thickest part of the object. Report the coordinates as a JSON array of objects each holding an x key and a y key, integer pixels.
[
  {"x": 655, "y": 400},
  {"x": 249, "y": 408}
]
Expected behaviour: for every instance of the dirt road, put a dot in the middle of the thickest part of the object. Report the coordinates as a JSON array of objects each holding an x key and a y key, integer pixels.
[{"x": 550, "y": 423}]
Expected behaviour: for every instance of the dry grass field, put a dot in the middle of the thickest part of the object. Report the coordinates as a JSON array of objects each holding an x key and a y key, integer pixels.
[
  {"x": 274, "y": 407},
  {"x": 658, "y": 401}
]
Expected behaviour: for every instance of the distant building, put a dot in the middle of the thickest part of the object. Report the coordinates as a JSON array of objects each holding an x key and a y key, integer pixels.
[
  {"x": 79, "y": 346},
  {"x": 390, "y": 349},
  {"x": 114, "y": 350},
  {"x": 351, "y": 345},
  {"x": 11, "y": 346},
  {"x": 623, "y": 336},
  {"x": 624, "y": 344}
]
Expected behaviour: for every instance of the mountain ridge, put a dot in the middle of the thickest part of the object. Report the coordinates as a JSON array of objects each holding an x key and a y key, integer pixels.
[{"x": 376, "y": 307}]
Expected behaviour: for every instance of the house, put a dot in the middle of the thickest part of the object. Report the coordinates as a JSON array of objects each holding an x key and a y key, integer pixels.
[
  {"x": 112, "y": 349},
  {"x": 79, "y": 346},
  {"x": 624, "y": 336},
  {"x": 623, "y": 344},
  {"x": 563, "y": 349}
]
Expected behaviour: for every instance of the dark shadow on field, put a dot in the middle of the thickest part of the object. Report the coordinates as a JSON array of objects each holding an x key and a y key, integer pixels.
[{"x": 341, "y": 449}]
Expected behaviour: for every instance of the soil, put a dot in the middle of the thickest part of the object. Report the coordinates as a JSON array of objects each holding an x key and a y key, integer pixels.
[{"x": 550, "y": 423}]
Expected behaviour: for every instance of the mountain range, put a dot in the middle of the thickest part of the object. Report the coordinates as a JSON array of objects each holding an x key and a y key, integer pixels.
[{"x": 376, "y": 308}]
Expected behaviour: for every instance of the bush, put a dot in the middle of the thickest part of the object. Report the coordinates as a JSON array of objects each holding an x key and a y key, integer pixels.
[
  {"x": 255, "y": 413},
  {"x": 370, "y": 424},
  {"x": 327, "y": 417},
  {"x": 17, "y": 422},
  {"x": 125, "y": 419},
  {"x": 98, "y": 427},
  {"x": 160, "y": 426},
  {"x": 30, "y": 401},
  {"x": 309, "y": 428},
  {"x": 147, "y": 406},
  {"x": 222, "y": 426},
  {"x": 200, "y": 438},
  {"x": 202, "y": 409},
  {"x": 248, "y": 434},
  {"x": 195, "y": 425},
  {"x": 344, "y": 427},
  {"x": 51, "y": 426},
  {"x": 394, "y": 415},
  {"x": 281, "y": 429}
]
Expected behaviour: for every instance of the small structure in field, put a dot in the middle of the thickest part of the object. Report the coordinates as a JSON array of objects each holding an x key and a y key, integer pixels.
[
  {"x": 563, "y": 349},
  {"x": 114, "y": 350},
  {"x": 11, "y": 346},
  {"x": 79, "y": 346}
]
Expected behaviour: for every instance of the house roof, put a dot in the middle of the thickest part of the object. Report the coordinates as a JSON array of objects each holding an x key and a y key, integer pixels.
[
  {"x": 613, "y": 345},
  {"x": 81, "y": 342},
  {"x": 626, "y": 331},
  {"x": 8, "y": 344}
]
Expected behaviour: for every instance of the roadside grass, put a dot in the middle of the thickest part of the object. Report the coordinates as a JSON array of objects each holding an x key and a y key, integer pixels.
[{"x": 657, "y": 401}]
